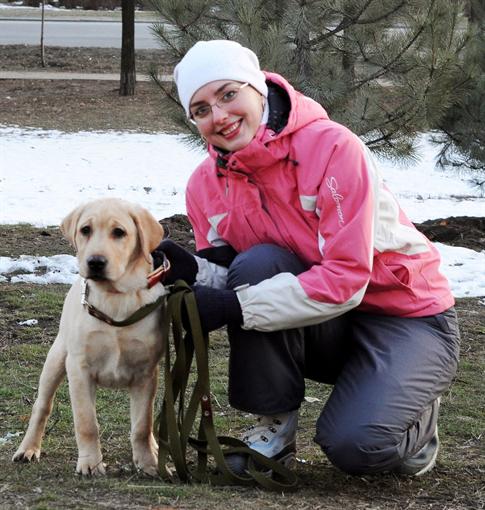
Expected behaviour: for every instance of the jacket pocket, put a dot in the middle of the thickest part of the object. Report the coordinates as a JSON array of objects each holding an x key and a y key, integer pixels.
[{"x": 393, "y": 275}]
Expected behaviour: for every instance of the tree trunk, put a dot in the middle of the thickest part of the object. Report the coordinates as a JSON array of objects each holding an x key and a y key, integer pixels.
[
  {"x": 42, "y": 54},
  {"x": 128, "y": 73}
]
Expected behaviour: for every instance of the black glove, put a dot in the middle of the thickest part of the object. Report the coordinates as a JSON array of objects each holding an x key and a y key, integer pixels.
[
  {"x": 217, "y": 307},
  {"x": 183, "y": 265}
]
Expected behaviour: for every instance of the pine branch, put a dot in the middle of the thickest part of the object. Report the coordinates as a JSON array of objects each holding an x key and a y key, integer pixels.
[
  {"x": 384, "y": 138},
  {"x": 348, "y": 21},
  {"x": 159, "y": 30},
  {"x": 402, "y": 118},
  {"x": 389, "y": 65},
  {"x": 197, "y": 17},
  {"x": 377, "y": 19},
  {"x": 167, "y": 92}
]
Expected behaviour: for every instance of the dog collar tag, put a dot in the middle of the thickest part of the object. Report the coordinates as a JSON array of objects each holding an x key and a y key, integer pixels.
[
  {"x": 84, "y": 292},
  {"x": 158, "y": 275}
]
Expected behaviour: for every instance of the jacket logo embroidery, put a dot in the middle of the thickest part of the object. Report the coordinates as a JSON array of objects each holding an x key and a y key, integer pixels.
[{"x": 332, "y": 185}]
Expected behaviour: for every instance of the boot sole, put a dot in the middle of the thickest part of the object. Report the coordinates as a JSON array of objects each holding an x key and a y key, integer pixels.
[{"x": 432, "y": 463}]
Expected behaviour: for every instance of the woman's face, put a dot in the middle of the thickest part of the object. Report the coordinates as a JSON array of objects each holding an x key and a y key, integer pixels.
[{"x": 231, "y": 123}]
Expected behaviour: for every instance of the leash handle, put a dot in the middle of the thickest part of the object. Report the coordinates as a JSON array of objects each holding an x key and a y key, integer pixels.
[{"x": 176, "y": 419}]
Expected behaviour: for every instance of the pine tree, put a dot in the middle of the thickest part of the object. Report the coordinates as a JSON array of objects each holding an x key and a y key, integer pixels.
[
  {"x": 461, "y": 133},
  {"x": 387, "y": 69}
]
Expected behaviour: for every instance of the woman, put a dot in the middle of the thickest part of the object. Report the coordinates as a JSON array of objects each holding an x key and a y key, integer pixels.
[{"x": 307, "y": 258}]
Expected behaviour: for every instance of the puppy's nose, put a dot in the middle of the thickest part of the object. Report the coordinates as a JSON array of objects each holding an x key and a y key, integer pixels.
[{"x": 97, "y": 264}]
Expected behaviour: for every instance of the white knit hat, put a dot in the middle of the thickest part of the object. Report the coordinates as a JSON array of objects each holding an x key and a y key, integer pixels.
[{"x": 209, "y": 61}]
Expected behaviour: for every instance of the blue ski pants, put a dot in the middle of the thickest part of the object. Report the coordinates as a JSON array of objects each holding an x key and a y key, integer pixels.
[{"x": 387, "y": 372}]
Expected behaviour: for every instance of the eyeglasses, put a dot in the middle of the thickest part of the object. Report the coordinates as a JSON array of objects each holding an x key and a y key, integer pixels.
[{"x": 202, "y": 112}]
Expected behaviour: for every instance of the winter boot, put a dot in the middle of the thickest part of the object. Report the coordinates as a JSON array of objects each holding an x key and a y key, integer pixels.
[
  {"x": 272, "y": 436},
  {"x": 424, "y": 460}
]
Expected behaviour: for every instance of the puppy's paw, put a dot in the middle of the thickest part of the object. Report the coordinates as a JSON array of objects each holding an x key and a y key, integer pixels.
[
  {"x": 87, "y": 467},
  {"x": 148, "y": 463},
  {"x": 150, "y": 470},
  {"x": 26, "y": 454}
]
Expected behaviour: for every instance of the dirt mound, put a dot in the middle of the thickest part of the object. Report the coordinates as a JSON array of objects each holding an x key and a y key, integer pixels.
[
  {"x": 178, "y": 228},
  {"x": 466, "y": 231}
]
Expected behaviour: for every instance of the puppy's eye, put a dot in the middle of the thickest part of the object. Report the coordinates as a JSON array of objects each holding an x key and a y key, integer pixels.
[
  {"x": 86, "y": 230},
  {"x": 118, "y": 233}
]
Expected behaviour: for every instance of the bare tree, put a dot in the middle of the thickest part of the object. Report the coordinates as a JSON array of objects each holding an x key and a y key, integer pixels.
[
  {"x": 42, "y": 53},
  {"x": 128, "y": 72}
]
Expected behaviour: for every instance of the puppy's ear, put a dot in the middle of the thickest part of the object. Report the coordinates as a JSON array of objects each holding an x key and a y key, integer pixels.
[
  {"x": 69, "y": 225},
  {"x": 150, "y": 232}
]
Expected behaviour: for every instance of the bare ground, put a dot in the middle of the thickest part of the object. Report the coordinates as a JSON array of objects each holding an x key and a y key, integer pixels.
[
  {"x": 80, "y": 105},
  {"x": 21, "y": 57}
]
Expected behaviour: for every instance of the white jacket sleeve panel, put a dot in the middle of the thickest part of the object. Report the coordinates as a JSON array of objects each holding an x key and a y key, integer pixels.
[
  {"x": 281, "y": 303},
  {"x": 210, "y": 274}
]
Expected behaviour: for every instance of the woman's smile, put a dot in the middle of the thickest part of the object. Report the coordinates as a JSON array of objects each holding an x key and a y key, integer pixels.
[{"x": 232, "y": 130}]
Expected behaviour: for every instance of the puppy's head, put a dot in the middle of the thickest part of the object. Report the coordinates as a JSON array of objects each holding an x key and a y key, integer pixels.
[{"x": 113, "y": 240}]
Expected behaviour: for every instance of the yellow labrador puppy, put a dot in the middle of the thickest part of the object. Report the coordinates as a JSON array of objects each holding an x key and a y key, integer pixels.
[{"x": 113, "y": 240}]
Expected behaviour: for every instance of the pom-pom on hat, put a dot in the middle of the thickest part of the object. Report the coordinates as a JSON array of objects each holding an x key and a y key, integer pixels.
[{"x": 209, "y": 61}]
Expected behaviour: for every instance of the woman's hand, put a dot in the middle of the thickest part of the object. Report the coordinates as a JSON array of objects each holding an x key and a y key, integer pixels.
[
  {"x": 217, "y": 307},
  {"x": 183, "y": 265}
]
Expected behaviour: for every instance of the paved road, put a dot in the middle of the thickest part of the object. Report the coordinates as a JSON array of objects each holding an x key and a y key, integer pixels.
[
  {"x": 74, "y": 33},
  {"x": 61, "y": 75}
]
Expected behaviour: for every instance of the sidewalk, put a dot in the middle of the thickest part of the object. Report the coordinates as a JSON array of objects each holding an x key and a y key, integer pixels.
[
  {"x": 59, "y": 75},
  {"x": 55, "y": 14}
]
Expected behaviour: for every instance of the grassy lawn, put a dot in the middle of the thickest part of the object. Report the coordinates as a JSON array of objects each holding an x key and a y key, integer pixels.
[{"x": 456, "y": 483}]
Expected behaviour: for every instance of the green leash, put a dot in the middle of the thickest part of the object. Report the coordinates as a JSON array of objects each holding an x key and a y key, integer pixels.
[{"x": 176, "y": 418}]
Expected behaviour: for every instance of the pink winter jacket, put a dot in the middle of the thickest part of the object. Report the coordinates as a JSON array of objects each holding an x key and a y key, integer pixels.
[{"x": 314, "y": 189}]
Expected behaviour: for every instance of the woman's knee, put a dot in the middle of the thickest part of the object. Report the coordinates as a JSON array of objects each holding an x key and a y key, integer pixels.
[
  {"x": 261, "y": 262},
  {"x": 359, "y": 450}
]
